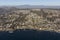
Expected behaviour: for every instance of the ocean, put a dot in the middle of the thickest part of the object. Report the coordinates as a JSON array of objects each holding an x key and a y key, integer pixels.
[{"x": 29, "y": 35}]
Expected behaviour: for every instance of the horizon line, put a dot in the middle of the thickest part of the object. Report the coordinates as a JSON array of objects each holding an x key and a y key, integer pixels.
[{"x": 29, "y": 5}]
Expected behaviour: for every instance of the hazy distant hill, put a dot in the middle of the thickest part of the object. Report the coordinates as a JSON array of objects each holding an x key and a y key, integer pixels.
[
  {"x": 37, "y": 6},
  {"x": 31, "y": 6},
  {"x": 7, "y": 9}
]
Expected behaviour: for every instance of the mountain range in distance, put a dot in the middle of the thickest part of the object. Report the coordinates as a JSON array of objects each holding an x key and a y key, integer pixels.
[
  {"x": 31, "y": 6},
  {"x": 38, "y": 6}
]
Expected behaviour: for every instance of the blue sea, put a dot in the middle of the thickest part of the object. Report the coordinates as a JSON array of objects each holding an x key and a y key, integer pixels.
[{"x": 29, "y": 35}]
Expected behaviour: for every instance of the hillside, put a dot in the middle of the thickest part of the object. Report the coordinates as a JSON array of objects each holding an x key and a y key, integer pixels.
[{"x": 39, "y": 19}]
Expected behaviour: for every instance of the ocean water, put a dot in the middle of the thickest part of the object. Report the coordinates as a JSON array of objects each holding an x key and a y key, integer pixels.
[{"x": 29, "y": 35}]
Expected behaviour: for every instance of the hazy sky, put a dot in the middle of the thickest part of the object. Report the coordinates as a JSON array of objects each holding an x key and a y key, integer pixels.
[{"x": 30, "y": 2}]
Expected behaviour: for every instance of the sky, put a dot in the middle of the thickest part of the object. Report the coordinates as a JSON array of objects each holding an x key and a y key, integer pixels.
[{"x": 30, "y": 2}]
